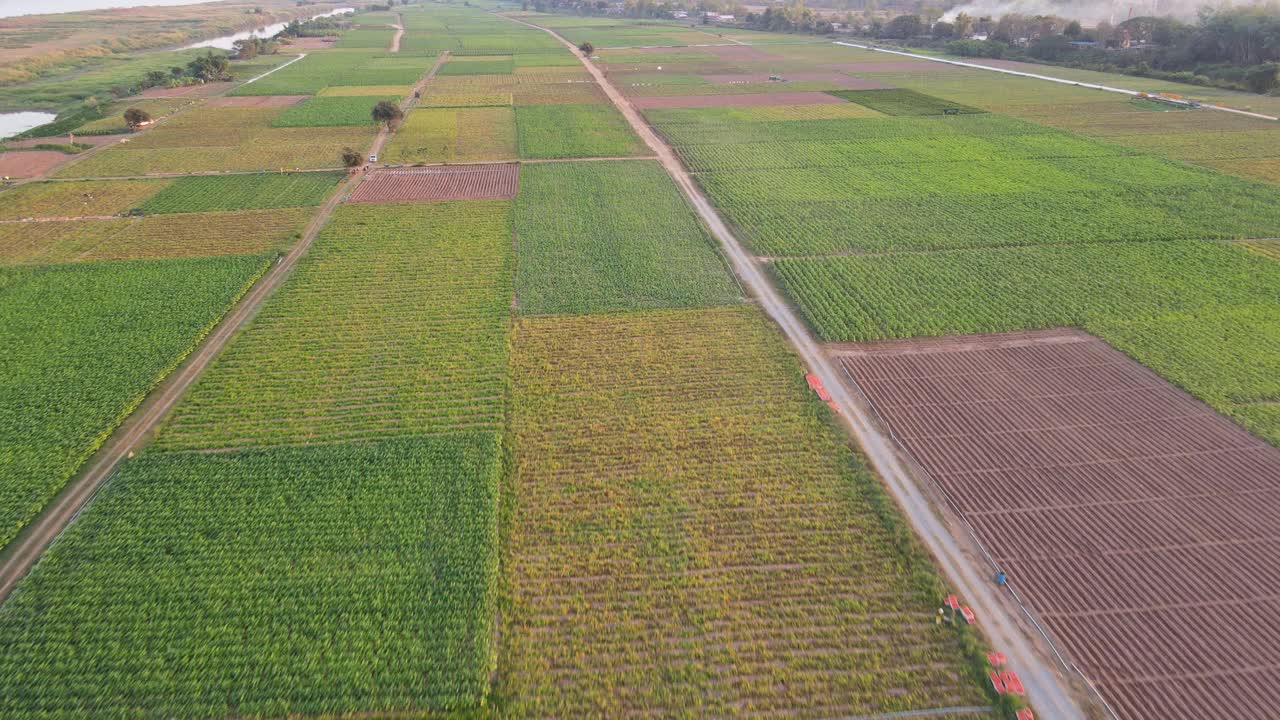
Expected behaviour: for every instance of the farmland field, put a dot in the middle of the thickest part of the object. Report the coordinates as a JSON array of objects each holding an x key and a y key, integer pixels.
[
  {"x": 454, "y": 135},
  {"x": 76, "y": 199},
  {"x": 909, "y": 294},
  {"x": 231, "y": 579},
  {"x": 327, "y": 111},
  {"x": 160, "y": 236},
  {"x": 690, "y": 536},
  {"x": 562, "y": 131},
  {"x": 432, "y": 184},
  {"x": 503, "y": 435},
  {"x": 412, "y": 299},
  {"x": 876, "y": 184},
  {"x": 1105, "y": 494},
  {"x": 83, "y": 344},
  {"x": 623, "y": 232},
  {"x": 241, "y": 192}
]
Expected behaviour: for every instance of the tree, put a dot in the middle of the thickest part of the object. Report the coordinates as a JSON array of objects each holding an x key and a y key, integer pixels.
[
  {"x": 903, "y": 27},
  {"x": 387, "y": 113},
  {"x": 177, "y": 72},
  {"x": 245, "y": 49},
  {"x": 136, "y": 117},
  {"x": 1073, "y": 30},
  {"x": 587, "y": 48},
  {"x": 155, "y": 77},
  {"x": 943, "y": 30},
  {"x": 351, "y": 157},
  {"x": 963, "y": 25},
  {"x": 207, "y": 67},
  {"x": 1263, "y": 78}
]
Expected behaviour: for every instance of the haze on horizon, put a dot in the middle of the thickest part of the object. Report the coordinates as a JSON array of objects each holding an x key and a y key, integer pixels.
[{"x": 13, "y": 8}]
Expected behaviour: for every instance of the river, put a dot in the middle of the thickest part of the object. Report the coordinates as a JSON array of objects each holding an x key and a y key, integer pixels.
[
  {"x": 15, "y": 122},
  {"x": 226, "y": 41}
]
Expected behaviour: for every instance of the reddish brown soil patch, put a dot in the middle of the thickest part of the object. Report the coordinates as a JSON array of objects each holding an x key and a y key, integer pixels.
[
  {"x": 94, "y": 140},
  {"x": 838, "y": 79},
  {"x": 28, "y": 163},
  {"x": 739, "y": 52},
  {"x": 256, "y": 101},
  {"x": 745, "y": 100},
  {"x": 462, "y": 182},
  {"x": 1138, "y": 524},
  {"x": 205, "y": 90}
]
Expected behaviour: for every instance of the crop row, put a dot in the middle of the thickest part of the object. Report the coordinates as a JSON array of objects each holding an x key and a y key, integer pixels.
[
  {"x": 454, "y": 135},
  {"x": 201, "y": 193},
  {"x": 690, "y": 536},
  {"x": 83, "y": 344},
  {"x": 992, "y": 290},
  {"x": 267, "y": 583},
  {"x": 624, "y": 234},
  {"x": 394, "y": 323},
  {"x": 571, "y": 131}
]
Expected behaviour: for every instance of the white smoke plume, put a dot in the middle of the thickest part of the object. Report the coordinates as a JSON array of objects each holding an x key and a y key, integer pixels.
[{"x": 1088, "y": 12}]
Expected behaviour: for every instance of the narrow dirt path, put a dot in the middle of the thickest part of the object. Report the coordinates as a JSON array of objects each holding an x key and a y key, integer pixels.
[
  {"x": 23, "y": 553},
  {"x": 399, "y": 26},
  {"x": 1047, "y": 689}
]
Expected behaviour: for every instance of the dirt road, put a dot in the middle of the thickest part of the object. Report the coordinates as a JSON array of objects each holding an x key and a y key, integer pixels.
[
  {"x": 1046, "y": 688},
  {"x": 26, "y": 550},
  {"x": 399, "y": 26}
]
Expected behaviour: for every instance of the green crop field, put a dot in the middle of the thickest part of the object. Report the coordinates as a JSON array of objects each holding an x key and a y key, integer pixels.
[
  {"x": 690, "y": 535},
  {"x": 562, "y": 131},
  {"x": 242, "y": 192},
  {"x": 413, "y": 299},
  {"x": 621, "y": 231},
  {"x": 877, "y": 184},
  {"x": 83, "y": 344},
  {"x": 283, "y": 582},
  {"x": 454, "y": 135},
  {"x": 366, "y": 38},
  {"x": 327, "y": 111},
  {"x": 319, "y": 70},
  {"x": 1229, "y": 356},
  {"x": 992, "y": 290}
]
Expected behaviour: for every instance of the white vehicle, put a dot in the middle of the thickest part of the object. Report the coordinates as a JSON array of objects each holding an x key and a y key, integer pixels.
[{"x": 373, "y": 158}]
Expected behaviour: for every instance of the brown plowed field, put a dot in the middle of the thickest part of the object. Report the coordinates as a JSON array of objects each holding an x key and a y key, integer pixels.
[
  {"x": 255, "y": 100},
  {"x": 744, "y": 100},
  {"x": 460, "y": 182},
  {"x": 1139, "y": 525}
]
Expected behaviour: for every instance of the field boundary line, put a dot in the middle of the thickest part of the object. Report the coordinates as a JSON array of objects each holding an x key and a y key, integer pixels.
[
  {"x": 1037, "y": 76},
  {"x": 25, "y": 551},
  {"x": 1046, "y": 689}
]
